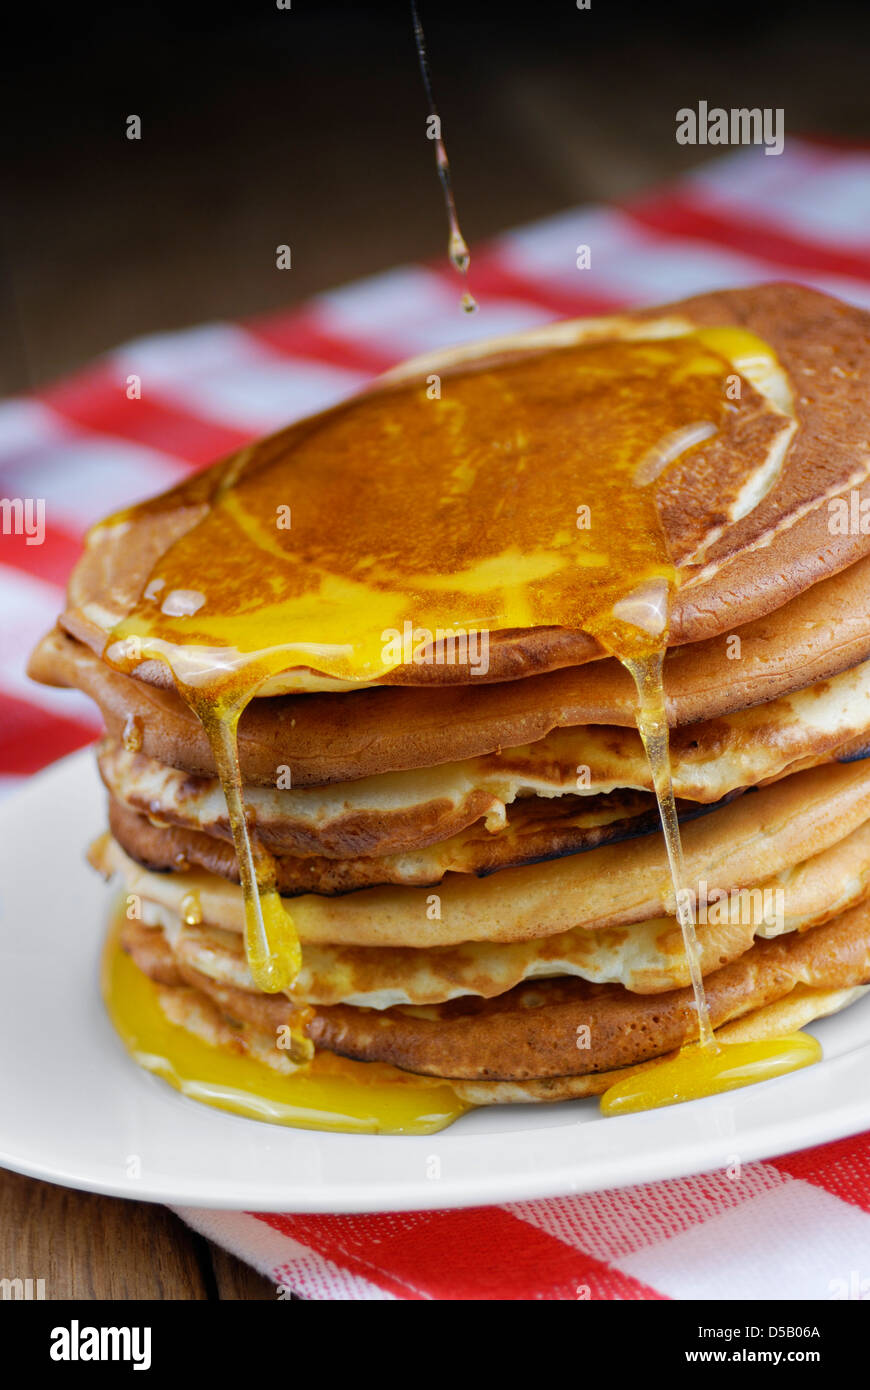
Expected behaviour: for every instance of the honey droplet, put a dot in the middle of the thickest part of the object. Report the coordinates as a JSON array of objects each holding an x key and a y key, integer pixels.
[
  {"x": 131, "y": 736},
  {"x": 191, "y": 910},
  {"x": 272, "y": 946},
  {"x": 457, "y": 247}
]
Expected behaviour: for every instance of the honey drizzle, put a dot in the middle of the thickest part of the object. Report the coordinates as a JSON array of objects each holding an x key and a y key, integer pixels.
[
  {"x": 457, "y": 247},
  {"x": 652, "y": 725},
  {"x": 271, "y": 943},
  {"x": 706, "y": 1067},
  {"x": 190, "y": 910}
]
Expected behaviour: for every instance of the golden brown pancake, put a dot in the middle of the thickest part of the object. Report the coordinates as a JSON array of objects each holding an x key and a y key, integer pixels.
[
  {"x": 326, "y": 738},
  {"x": 535, "y": 830},
  {"x": 647, "y": 958},
  {"x": 784, "y": 545},
  {"x": 532, "y": 1031},
  {"x": 194, "y": 1011},
  {"x": 748, "y": 567},
  {"x": 747, "y": 841},
  {"x": 778, "y": 1020},
  {"x": 393, "y": 813}
]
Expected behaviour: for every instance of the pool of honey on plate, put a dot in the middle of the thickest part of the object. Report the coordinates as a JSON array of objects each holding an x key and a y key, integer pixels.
[
  {"x": 327, "y": 1093},
  {"x": 459, "y": 512}
]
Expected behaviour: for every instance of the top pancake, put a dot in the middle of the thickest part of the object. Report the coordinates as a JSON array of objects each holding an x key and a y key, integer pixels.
[
  {"x": 749, "y": 526},
  {"x": 331, "y": 737}
]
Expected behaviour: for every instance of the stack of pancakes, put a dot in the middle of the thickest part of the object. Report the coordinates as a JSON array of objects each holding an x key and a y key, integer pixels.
[{"x": 474, "y": 864}]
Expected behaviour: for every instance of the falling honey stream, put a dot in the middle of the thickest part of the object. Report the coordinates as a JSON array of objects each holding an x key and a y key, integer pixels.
[
  {"x": 271, "y": 944},
  {"x": 652, "y": 724},
  {"x": 457, "y": 514},
  {"x": 457, "y": 247}
]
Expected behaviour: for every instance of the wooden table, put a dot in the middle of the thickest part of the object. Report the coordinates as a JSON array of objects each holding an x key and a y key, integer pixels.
[{"x": 91, "y": 1247}]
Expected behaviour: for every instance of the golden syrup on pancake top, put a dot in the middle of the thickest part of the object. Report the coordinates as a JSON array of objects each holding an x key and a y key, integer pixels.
[{"x": 458, "y": 513}]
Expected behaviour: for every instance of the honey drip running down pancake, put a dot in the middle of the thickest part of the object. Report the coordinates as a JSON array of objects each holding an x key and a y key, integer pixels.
[{"x": 558, "y": 490}]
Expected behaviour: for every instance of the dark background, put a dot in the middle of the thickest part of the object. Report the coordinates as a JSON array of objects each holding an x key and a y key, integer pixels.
[{"x": 307, "y": 126}]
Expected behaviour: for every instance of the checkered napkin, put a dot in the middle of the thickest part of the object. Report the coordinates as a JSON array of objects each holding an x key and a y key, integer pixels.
[{"x": 799, "y": 1225}]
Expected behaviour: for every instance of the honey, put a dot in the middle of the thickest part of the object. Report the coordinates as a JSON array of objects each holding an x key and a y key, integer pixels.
[
  {"x": 652, "y": 724},
  {"x": 131, "y": 734},
  {"x": 526, "y": 495},
  {"x": 467, "y": 511},
  {"x": 328, "y": 1093},
  {"x": 704, "y": 1071},
  {"x": 271, "y": 944},
  {"x": 457, "y": 247},
  {"x": 191, "y": 910}
]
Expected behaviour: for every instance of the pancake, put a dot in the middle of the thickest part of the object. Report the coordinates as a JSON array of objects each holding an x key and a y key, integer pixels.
[
  {"x": 745, "y": 842},
  {"x": 326, "y": 738},
  {"x": 535, "y": 830},
  {"x": 192, "y": 1010},
  {"x": 746, "y": 516},
  {"x": 532, "y": 1031},
  {"x": 393, "y": 813},
  {"x": 647, "y": 958},
  {"x": 784, "y": 544},
  {"x": 779, "y": 1020}
]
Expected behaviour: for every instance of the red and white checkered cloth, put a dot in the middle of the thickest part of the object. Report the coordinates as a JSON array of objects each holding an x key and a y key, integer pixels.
[{"x": 792, "y": 1227}]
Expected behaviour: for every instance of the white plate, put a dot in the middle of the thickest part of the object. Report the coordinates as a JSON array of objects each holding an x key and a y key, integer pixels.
[{"x": 76, "y": 1110}]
